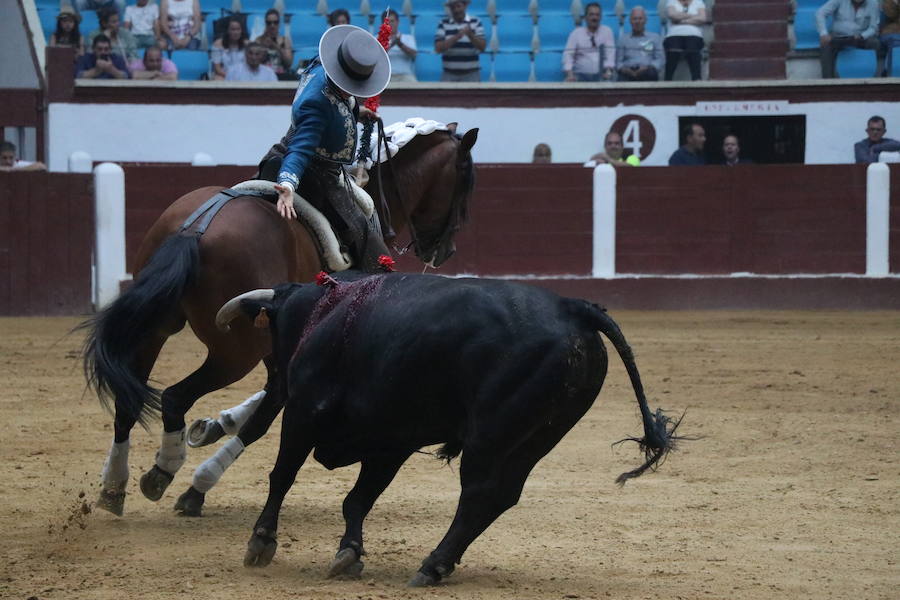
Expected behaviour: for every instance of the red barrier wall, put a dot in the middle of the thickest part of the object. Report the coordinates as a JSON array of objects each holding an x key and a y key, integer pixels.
[
  {"x": 755, "y": 218},
  {"x": 46, "y": 241},
  {"x": 536, "y": 219},
  {"x": 525, "y": 220},
  {"x": 522, "y": 220}
]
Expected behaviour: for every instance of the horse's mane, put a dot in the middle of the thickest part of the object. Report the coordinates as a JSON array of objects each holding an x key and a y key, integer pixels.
[{"x": 466, "y": 183}]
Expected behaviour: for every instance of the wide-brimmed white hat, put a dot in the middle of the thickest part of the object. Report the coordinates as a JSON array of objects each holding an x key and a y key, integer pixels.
[{"x": 354, "y": 60}]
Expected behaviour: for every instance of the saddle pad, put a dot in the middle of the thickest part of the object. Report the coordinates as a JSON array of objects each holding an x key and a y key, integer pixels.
[
  {"x": 332, "y": 256},
  {"x": 401, "y": 133}
]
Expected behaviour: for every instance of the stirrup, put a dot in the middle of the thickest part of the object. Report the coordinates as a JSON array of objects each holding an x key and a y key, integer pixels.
[{"x": 203, "y": 432}]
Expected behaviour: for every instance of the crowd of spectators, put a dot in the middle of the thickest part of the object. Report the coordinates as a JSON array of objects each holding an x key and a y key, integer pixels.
[{"x": 592, "y": 52}]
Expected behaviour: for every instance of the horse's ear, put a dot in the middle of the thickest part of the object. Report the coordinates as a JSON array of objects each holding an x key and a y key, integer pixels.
[
  {"x": 469, "y": 139},
  {"x": 451, "y": 127}
]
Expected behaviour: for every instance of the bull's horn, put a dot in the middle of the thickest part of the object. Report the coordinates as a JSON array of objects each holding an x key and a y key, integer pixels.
[{"x": 231, "y": 309}]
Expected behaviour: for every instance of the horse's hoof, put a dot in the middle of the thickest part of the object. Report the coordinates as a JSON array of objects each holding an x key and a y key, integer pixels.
[
  {"x": 346, "y": 563},
  {"x": 260, "y": 549},
  {"x": 190, "y": 503},
  {"x": 421, "y": 579},
  {"x": 203, "y": 432},
  {"x": 112, "y": 501},
  {"x": 154, "y": 483}
]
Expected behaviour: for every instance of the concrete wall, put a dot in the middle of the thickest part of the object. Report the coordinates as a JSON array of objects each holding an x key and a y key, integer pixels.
[{"x": 241, "y": 134}]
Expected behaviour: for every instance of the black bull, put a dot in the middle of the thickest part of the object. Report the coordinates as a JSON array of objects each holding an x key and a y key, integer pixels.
[{"x": 373, "y": 368}]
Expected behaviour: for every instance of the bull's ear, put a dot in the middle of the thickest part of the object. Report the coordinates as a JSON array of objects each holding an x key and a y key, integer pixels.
[
  {"x": 469, "y": 139},
  {"x": 451, "y": 127}
]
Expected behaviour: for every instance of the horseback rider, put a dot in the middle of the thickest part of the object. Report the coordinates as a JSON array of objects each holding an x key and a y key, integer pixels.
[{"x": 310, "y": 158}]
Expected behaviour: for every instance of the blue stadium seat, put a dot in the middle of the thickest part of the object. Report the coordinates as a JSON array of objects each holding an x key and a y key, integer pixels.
[
  {"x": 48, "y": 21},
  {"x": 515, "y": 32},
  {"x": 306, "y": 30},
  {"x": 548, "y": 66},
  {"x": 512, "y": 7},
  {"x": 554, "y": 30},
  {"x": 856, "y": 63},
  {"x": 191, "y": 63},
  {"x": 215, "y": 6},
  {"x": 425, "y": 26},
  {"x": 486, "y": 62},
  {"x": 252, "y": 5},
  {"x": 512, "y": 66},
  {"x": 428, "y": 66},
  {"x": 893, "y": 61},
  {"x": 89, "y": 23},
  {"x": 557, "y": 7},
  {"x": 805, "y": 29},
  {"x": 612, "y": 21}
]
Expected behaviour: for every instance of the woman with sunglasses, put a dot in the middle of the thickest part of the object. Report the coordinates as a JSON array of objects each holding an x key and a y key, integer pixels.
[{"x": 281, "y": 53}]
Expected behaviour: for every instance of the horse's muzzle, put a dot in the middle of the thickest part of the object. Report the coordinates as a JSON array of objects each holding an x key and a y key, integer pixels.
[{"x": 444, "y": 252}]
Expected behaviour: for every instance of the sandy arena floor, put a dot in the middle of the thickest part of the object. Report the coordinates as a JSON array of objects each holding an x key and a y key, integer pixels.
[{"x": 793, "y": 492}]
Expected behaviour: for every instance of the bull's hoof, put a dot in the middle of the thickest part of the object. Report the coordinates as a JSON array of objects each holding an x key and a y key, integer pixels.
[
  {"x": 260, "y": 549},
  {"x": 112, "y": 501},
  {"x": 190, "y": 503},
  {"x": 346, "y": 563},
  {"x": 154, "y": 483},
  {"x": 421, "y": 579},
  {"x": 204, "y": 432}
]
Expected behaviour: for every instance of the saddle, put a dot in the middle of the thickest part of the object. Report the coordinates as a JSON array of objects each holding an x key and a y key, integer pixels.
[
  {"x": 323, "y": 234},
  {"x": 334, "y": 257}
]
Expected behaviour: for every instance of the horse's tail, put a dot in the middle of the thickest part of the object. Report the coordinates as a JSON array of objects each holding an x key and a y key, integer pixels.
[
  {"x": 117, "y": 332},
  {"x": 659, "y": 438}
]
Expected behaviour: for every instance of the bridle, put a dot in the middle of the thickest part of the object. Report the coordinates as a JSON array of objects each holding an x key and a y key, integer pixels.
[{"x": 454, "y": 210}]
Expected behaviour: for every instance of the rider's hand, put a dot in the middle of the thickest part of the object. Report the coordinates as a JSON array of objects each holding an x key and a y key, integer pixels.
[
  {"x": 285, "y": 203},
  {"x": 367, "y": 115}
]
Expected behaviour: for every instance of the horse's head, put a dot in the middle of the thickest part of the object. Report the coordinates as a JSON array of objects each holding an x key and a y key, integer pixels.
[{"x": 444, "y": 207}]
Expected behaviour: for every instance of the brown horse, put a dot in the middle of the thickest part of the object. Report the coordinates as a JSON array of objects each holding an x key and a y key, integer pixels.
[{"x": 185, "y": 277}]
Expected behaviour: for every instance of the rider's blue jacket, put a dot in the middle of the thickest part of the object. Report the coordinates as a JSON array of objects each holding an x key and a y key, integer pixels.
[{"x": 324, "y": 126}]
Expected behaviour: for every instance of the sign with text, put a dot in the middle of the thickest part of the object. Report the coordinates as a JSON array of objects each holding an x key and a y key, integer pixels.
[{"x": 749, "y": 107}]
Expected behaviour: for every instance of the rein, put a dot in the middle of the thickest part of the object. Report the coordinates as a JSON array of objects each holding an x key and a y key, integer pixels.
[
  {"x": 453, "y": 213},
  {"x": 382, "y": 200}
]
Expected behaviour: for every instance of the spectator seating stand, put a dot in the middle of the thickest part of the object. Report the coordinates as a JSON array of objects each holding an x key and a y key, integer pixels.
[{"x": 753, "y": 38}]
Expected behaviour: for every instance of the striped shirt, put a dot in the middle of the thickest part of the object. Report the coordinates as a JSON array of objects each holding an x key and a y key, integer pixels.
[{"x": 463, "y": 55}]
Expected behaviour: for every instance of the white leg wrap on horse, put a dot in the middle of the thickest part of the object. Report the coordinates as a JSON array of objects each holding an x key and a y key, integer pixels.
[
  {"x": 172, "y": 451},
  {"x": 115, "y": 469},
  {"x": 232, "y": 419},
  {"x": 208, "y": 474}
]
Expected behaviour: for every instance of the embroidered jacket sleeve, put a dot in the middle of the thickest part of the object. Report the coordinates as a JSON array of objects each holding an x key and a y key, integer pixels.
[{"x": 310, "y": 118}]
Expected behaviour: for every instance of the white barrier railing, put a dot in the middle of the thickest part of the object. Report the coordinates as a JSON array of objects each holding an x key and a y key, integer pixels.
[
  {"x": 878, "y": 217},
  {"x": 109, "y": 226},
  {"x": 604, "y": 254}
]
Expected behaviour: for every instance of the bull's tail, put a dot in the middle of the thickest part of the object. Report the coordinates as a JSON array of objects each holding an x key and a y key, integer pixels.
[
  {"x": 117, "y": 333},
  {"x": 659, "y": 430}
]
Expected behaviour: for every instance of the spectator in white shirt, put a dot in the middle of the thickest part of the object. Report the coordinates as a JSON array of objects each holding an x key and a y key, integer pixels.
[
  {"x": 684, "y": 38},
  {"x": 252, "y": 69},
  {"x": 582, "y": 56},
  {"x": 142, "y": 20}
]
